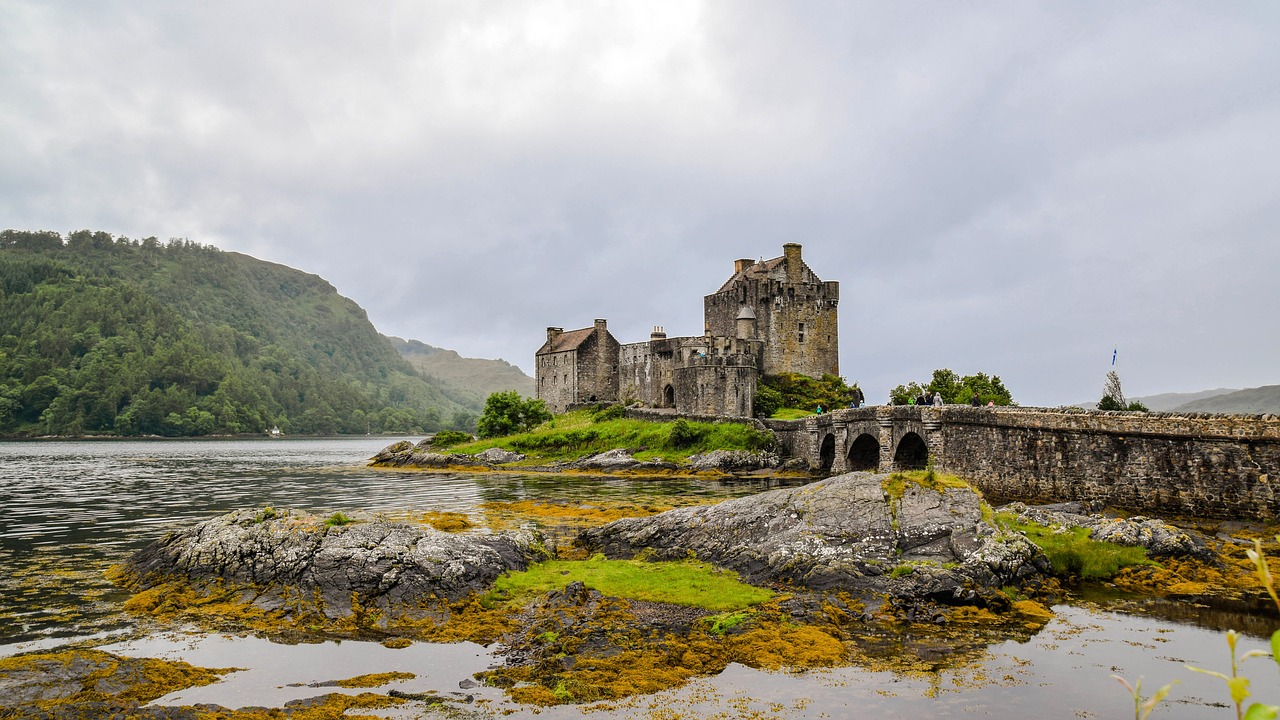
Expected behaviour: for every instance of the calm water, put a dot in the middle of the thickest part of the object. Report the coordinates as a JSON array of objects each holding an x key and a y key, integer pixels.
[{"x": 73, "y": 508}]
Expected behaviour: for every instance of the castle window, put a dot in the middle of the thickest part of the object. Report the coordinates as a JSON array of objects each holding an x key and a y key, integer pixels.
[{"x": 801, "y": 337}]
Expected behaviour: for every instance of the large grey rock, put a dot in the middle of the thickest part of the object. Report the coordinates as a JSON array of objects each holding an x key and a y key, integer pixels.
[
  {"x": 393, "y": 566},
  {"x": 734, "y": 461},
  {"x": 841, "y": 533},
  {"x": 498, "y": 456},
  {"x": 1159, "y": 538}
]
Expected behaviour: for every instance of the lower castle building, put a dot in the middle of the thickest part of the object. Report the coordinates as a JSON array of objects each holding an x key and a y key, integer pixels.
[{"x": 770, "y": 317}]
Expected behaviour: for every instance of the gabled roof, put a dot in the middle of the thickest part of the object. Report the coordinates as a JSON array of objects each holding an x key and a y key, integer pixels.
[
  {"x": 566, "y": 341},
  {"x": 758, "y": 270}
]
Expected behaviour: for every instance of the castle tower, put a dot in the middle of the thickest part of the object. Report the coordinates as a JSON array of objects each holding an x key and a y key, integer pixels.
[{"x": 795, "y": 313}]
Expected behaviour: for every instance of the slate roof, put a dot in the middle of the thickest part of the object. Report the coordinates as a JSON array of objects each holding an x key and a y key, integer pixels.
[
  {"x": 760, "y": 269},
  {"x": 566, "y": 341}
]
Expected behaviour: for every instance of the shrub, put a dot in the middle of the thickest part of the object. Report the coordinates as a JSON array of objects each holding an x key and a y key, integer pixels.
[
  {"x": 338, "y": 519},
  {"x": 684, "y": 434},
  {"x": 506, "y": 413},
  {"x": 611, "y": 412},
  {"x": 449, "y": 438}
]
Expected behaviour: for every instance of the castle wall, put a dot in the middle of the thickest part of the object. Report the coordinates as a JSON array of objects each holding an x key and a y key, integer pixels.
[
  {"x": 598, "y": 369},
  {"x": 557, "y": 379},
  {"x": 716, "y": 386}
]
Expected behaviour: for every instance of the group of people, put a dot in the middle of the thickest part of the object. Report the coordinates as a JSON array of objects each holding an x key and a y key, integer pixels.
[
  {"x": 926, "y": 398},
  {"x": 935, "y": 399}
]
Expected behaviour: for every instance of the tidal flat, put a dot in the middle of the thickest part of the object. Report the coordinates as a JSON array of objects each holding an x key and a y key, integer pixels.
[{"x": 77, "y": 508}]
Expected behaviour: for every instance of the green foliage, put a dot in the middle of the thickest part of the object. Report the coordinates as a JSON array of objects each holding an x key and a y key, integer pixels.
[
  {"x": 449, "y": 438},
  {"x": 955, "y": 389},
  {"x": 338, "y": 519},
  {"x": 684, "y": 434},
  {"x": 105, "y": 335},
  {"x": 901, "y": 570},
  {"x": 768, "y": 400},
  {"x": 689, "y": 582},
  {"x": 611, "y": 412},
  {"x": 1110, "y": 403},
  {"x": 793, "y": 390},
  {"x": 506, "y": 413},
  {"x": 576, "y": 434},
  {"x": 724, "y": 622},
  {"x": 1073, "y": 554}
]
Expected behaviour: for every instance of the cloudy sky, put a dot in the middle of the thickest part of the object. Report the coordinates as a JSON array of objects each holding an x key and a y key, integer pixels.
[{"x": 1014, "y": 188}]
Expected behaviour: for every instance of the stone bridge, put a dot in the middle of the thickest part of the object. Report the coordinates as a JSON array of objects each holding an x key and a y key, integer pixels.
[{"x": 1163, "y": 464}]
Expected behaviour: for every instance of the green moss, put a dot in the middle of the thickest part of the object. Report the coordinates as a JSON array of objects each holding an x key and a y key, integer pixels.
[
  {"x": 1073, "y": 554},
  {"x": 790, "y": 414},
  {"x": 688, "y": 582}
]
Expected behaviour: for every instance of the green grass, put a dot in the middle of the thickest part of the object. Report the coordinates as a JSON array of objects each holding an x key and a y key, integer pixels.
[
  {"x": 1073, "y": 553},
  {"x": 689, "y": 582},
  {"x": 578, "y": 434},
  {"x": 896, "y": 484},
  {"x": 338, "y": 519},
  {"x": 790, "y": 414}
]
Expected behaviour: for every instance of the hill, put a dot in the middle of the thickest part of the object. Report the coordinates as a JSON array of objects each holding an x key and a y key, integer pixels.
[
  {"x": 105, "y": 335},
  {"x": 1250, "y": 401},
  {"x": 1164, "y": 402},
  {"x": 473, "y": 378}
]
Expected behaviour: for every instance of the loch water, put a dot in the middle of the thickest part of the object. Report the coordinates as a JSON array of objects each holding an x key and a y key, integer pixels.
[{"x": 70, "y": 509}]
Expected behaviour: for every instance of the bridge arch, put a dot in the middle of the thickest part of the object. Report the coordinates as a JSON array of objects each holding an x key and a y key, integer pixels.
[
  {"x": 827, "y": 453},
  {"x": 912, "y": 453},
  {"x": 864, "y": 453}
]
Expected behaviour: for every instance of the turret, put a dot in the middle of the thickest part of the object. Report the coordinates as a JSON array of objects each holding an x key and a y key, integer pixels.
[{"x": 746, "y": 323}]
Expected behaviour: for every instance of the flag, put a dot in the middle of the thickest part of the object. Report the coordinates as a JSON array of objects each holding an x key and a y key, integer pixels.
[{"x": 1113, "y": 356}]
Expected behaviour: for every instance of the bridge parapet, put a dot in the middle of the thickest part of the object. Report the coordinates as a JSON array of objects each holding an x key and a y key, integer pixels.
[{"x": 1160, "y": 463}]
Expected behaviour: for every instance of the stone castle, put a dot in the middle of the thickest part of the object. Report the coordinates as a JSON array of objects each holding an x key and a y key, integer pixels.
[{"x": 770, "y": 317}]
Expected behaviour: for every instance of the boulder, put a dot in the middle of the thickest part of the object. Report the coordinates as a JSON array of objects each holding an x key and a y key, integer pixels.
[
  {"x": 844, "y": 533},
  {"x": 390, "y": 565},
  {"x": 498, "y": 456},
  {"x": 734, "y": 461}
]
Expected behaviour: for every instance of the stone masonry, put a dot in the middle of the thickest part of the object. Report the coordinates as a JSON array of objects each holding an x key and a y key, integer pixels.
[{"x": 770, "y": 317}]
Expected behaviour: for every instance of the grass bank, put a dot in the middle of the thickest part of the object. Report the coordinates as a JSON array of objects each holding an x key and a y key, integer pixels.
[
  {"x": 1072, "y": 552},
  {"x": 581, "y": 433}
]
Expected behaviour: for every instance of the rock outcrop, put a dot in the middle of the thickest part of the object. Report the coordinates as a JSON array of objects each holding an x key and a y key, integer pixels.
[
  {"x": 396, "y": 567},
  {"x": 849, "y": 532},
  {"x": 1160, "y": 539}
]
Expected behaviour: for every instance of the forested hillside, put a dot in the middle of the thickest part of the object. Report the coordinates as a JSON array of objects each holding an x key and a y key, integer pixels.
[{"x": 105, "y": 335}]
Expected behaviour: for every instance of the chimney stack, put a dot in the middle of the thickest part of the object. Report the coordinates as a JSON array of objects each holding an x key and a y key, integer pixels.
[
  {"x": 553, "y": 333},
  {"x": 658, "y": 333},
  {"x": 743, "y": 264},
  {"x": 601, "y": 325},
  {"x": 791, "y": 251}
]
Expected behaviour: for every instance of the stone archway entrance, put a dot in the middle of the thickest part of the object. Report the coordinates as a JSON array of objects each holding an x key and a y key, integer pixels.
[
  {"x": 912, "y": 453},
  {"x": 864, "y": 454},
  {"x": 668, "y": 396},
  {"x": 827, "y": 453}
]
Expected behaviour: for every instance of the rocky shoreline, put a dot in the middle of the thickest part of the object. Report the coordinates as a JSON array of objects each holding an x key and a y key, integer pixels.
[{"x": 421, "y": 456}]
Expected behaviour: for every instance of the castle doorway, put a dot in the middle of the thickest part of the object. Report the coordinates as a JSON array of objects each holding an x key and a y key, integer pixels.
[
  {"x": 864, "y": 454},
  {"x": 827, "y": 453},
  {"x": 912, "y": 453},
  {"x": 668, "y": 396}
]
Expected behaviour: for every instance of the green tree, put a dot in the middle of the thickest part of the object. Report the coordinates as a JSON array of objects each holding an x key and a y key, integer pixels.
[
  {"x": 506, "y": 413},
  {"x": 955, "y": 389}
]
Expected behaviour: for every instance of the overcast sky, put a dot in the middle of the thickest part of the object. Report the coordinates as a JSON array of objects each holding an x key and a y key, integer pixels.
[{"x": 1012, "y": 188}]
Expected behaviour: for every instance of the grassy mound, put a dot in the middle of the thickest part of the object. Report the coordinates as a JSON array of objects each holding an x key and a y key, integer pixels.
[
  {"x": 1073, "y": 553},
  {"x": 583, "y": 432},
  {"x": 692, "y": 583}
]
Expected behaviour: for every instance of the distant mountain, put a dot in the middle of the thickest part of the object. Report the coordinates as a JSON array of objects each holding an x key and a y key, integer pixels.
[
  {"x": 1166, "y": 402},
  {"x": 106, "y": 335},
  {"x": 473, "y": 378},
  {"x": 1250, "y": 401}
]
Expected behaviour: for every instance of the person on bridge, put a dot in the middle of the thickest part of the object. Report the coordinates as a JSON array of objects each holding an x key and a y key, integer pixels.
[{"x": 976, "y": 401}]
